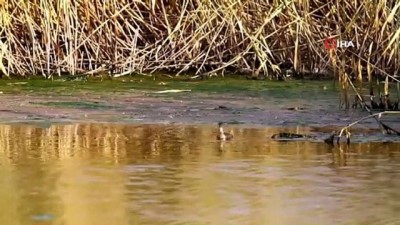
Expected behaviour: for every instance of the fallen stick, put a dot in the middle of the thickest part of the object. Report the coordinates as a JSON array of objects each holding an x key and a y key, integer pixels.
[{"x": 367, "y": 117}]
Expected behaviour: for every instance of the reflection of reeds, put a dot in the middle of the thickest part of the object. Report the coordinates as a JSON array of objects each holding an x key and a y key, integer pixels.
[
  {"x": 116, "y": 142},
  {"x": 85, "y": 140},
  {"x": 50, "y": 37},
  {"x": 138, "y": 143}
]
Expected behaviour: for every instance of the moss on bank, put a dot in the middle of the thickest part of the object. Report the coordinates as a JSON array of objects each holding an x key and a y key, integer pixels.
[{"x": 150, "y": 85}]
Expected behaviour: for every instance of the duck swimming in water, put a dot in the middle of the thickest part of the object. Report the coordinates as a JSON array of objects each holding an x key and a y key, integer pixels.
[{"x": 223, "y": 136}]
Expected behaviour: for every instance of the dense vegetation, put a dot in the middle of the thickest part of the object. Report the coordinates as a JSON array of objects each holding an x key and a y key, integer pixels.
[{"x": 51, "y": 37}]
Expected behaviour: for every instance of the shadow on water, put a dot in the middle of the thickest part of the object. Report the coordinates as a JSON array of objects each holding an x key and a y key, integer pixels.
[{"x": 164, "y": 174}]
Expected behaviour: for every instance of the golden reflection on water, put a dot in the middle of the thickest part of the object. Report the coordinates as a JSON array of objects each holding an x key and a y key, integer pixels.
[{"x": 162, "y": 174}]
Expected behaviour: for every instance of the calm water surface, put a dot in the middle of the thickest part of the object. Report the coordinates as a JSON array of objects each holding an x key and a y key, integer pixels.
[{"x": 94, "y": 174}]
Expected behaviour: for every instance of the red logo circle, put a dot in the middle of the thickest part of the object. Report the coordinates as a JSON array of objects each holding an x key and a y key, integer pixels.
[{"x": 330, "y": 43}]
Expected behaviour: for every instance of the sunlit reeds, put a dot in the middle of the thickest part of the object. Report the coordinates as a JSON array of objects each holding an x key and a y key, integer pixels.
[{"x": 53, "y": 37}]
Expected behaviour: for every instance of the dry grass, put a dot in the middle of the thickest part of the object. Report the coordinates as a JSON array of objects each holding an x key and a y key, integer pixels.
[{"x": 53, "y": 37}]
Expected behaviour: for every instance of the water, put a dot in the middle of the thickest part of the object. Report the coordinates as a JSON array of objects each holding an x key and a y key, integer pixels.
[{"x": 74, "y": 174}]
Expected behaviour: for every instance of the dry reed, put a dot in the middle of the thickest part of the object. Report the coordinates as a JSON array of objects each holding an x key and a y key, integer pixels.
[{"x": 54, "y": 37}]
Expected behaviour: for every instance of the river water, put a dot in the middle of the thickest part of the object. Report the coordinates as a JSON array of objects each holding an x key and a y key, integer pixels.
[{"x": 94, "y": 174}]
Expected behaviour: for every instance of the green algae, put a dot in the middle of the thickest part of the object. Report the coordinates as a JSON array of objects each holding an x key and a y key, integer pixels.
[{"x": 150, "y": 85}]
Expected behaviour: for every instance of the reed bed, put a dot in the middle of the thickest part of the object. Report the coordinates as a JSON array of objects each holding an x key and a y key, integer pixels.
[{"x": 53, "y": 37}]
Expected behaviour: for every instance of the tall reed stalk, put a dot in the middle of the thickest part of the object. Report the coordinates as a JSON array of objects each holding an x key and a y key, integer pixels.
[{"x": 51, "y": 37}]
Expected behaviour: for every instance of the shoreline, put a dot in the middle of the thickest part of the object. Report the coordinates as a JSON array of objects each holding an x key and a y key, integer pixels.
[
  {"x": 240, "y": 103},
  {"x": 183, "y": 109}
]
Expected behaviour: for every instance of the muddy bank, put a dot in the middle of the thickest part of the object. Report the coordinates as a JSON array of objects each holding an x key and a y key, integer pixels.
[
  {"x": 249, "y": 103},
  {"x": 182, "y": 108}
]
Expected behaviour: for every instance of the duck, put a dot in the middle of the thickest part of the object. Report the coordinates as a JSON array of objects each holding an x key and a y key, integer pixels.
[{"x": 223, "y": 136}]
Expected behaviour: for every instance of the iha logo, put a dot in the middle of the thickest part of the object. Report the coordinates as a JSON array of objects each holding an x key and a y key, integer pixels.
[{"x": 332, "y": 43}]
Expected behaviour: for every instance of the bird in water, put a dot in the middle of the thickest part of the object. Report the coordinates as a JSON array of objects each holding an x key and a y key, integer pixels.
[{"x": 223, "y": 136}]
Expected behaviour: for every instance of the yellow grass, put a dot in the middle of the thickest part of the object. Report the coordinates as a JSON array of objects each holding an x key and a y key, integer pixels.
[{"x": 51, "y": 37}]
